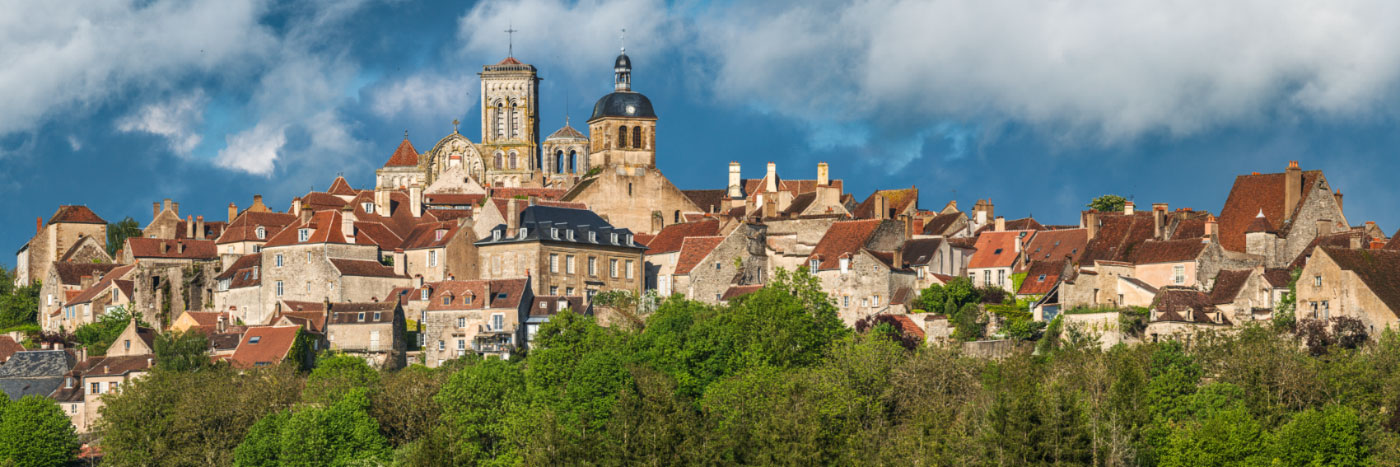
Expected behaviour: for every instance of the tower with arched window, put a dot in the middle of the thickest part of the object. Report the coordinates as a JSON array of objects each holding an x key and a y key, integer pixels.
[
  {"x": 510, "y": 130},
  {"x": 565, "y": 157},
  {"x": 623, "y": 124}
]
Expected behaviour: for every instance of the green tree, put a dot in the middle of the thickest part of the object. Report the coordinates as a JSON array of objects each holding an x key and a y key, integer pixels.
[
  {"x": 98, "y": 335},
  {"x": 35, "y": 432},
  {"x": 336, "y": 375},
  {"x": 342, "y": 433},
  {"x": 969, "y": 324},
  {"x": 958, "y": 292},
  {"x": 1108, "y": 203},
  {"x": 476, "y": 405},
  {"x": 402, "y": 412},
  {"x": 19, "y": 306},
  {"x": 1331, "y": 436},
  {"x": 182, "y": 351},
  {"x": 118, "y": 232},
  {"x": 262, "y": 446}
]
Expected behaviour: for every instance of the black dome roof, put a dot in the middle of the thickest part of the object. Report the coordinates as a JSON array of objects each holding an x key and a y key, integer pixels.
[
  {"x": 623, "y": 104},
  {"x": 622, "y": 61}
]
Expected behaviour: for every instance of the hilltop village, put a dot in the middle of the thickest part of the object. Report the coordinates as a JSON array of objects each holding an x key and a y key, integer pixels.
[{"x": 469, "y": 247}]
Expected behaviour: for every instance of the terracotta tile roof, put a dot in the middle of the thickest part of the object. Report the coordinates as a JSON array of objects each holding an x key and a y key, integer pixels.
[
  {"x": 212, "y": 230},
  {"x": 8, "y": 347},
  {"x": 1119, "y": 235},
  {"x": 467, "y": 295},
  {"x": 670, "y": 237},
  {"x": 107, "y": 282},
  {"x": 902, "y": 296},
  {"x": 799, "y": 203},
  {"x": 1278, "y": 277},
  {"x": 404, "y": 156},
  {"x": 325, "y": 228},
  {"x": 244, "y": 272},
  {"x": 752, "y": 186},
  {"x": 349, "y": 313},
  {"x": 510, "y": 61},
  {"x": 245, "y": 226},
  {"x": 1254, "y": 193},
  {"x": 550, "y": 305},
  {"x": 969, "y": 243},
  {"x": 72, "y": 273},
  {"x": 842, "y": 238},
  {"x": 447, "y": 214},
  {"x": 208, "y": 321},
  {"x": 1394, "y": 243},
  {"x": 644, "y": 238},
  {"x": 708, "y": 200},
  {"x": 243, "y": 262},
  {"x": 736, "y": 291},
  {"x": 907, "y": 325},
  {"x": 941, "y": 224},
  {"x": 1041, "y": 277},
  {"x": 998, "y": 249},
  {"x": 693, "y": 251},
  {"x": 141, "y": 247},
  {"x": 427, "y": 235},
  {"x": 896, "y": 201},
  {"x": 321, "y": 201},
  {"x": 1025, "y": 223},
  {"x": 1168, "y": 251},
  {"x": 1228, "y": 284},
  {"x": 1336, "y": 240},
  {"x": 74, "y": 214},
  {"x": 374, "y": 233},
  {"x": 363, "y": 268},
  {"x": 1260, "y": 224},
  {"x": 112, "y": 366},
  {"x": 1378, "y": 269},
  {"x": 920, "y": 251},
  {"x": 341, "y": 187},
  {"x": 1058, "y": 244},
  {"x": 264, "y": 346},
  {"x": 1172, "y": 304},
  {"x": 887, "y": 258}
]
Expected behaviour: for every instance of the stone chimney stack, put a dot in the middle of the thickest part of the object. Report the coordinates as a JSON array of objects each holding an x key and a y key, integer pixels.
[
  {"x": 736, "y": 189},
  {"x": 415, "y": 199},
  {"x": 399, "y": 260},
  {"x": 772, "y": 184},
  {"x": 176, "y": 208},
  {"x": 1338, "y": 196},
  {"x": 1159, "y": 220},
  {"x": 189, "y": 227},
  {"x": 164, "y": 205},
  {"x": 882, "y": 210},
  {"x": 155, "y": 210},
  {"x": 232, "y": 212},
  {"x": 1211, "y": 228},
  {"x": 296, "y": 206},
  {"x": 1000, "y": 224},
  {"x": 1292, "y": 189},
  {"x": 38, "y": 225},
  {"x": 512, "y": 217},
  {"x": 347, "y": 223},
  {"x": 199, "y": 227},
  {"x": 908, "y": 226},
  {"x": 1091, "y": 222},
  {"x": 899, "y": 257},
  {"x": 823, "y": 174},
  {"x": 1129, "y": 208}
]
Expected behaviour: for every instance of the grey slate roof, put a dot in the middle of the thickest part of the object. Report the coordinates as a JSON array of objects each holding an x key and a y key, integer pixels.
[
  {"x": 623, "y": 104},
  {"x": 539, "y": 223},
  {"x": 34, "y": 372}
]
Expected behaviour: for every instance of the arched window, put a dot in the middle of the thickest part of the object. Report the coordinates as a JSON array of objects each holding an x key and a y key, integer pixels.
[
  {"x": 559, "y": 161},
  {"x": 515, "y": 114},
  {"x": 621, "y": 137},
  {"x": 498, "y": 159},
  {"x": 678, "y": 217},
  {"x": 500, "y": 121},
  {"x": 637, "y": 137},
  {"x": 573, "y": 162},
  {"x": 512, "y": 160}
]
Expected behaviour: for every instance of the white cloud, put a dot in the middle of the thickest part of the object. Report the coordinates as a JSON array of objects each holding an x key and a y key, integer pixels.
[
  {"x": 570, "y": 36},
  {"x": 66, "y": 56},
  {"x": 424, "y": 96},
  {"x": 253, "y": 150},
  {"x": 176, "y": 119}
]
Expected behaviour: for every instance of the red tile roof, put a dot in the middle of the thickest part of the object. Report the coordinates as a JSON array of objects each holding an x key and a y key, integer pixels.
[
  {"x": 273, "y": 344},
  {"x": 1119, "y": 235},
  {"x": 1168, "y": 251},
  {"x": 108, "y": 281},
  {"x": 1058, "y": 244},
  {"x": 467, "y": 295},
  {"x": 737, "y": 291},
  {"x": 72, "y": 214},
  {"x": 670, "y": 237},
  {"x": 941, "y": 223},
  {"x": 907, "y": 325},
  {"x": 896, "y": 201},
  {"x": 1228, "y": 284},
  {"x": 112, "y": 366},
  {"x": 693, "y": 251},
  {"x": 321, "y": 201},
  {"x": 349, "y": 313},
  {"x": 245, "y": 226},
  {"x": 454, "y": 199},
  {"x": 842, "y": 238},
  {"x": 72, "y": 273},
  {"x": 8, "y": 347},
  {"x": 1260, "y": 224},
  {"x": 511, "y": 192},
  {"x": 510, "y": 61},
  {"x": 708, "y": 200},
  {"x": 1173, "y": 303},
  {"x": 1252, "y": 194},
  {"x": 1278, "y": 277},
  {"x": 341, "y": 187},
  {"x": 325, "y": 228},
  {"x": 998, "y": 249},
  {"x": 363, "y": 268},
  {"x": 374, "y": 233},
  {"x": 1394, "y": 243},
  {"x": 1336, "y": 240},
  {"x": 1378, "y": 269},
  {"x": 1025, "y": 223},
  {"x": 427, "y": 235},
  {"x": 141, "y": 247},
  {"x": 244, "y": 272},
  {"x": 1041, "y": 277},
  {"x": 404, "y": 156}
]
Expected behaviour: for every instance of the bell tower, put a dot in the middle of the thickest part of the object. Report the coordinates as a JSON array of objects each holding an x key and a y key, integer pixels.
[{"x": 510, "y": 132}]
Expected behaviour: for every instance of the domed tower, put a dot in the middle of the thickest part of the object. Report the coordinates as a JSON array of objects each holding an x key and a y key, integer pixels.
[
  {"x": 565, "y": 155},
  {"x": 623, "y": 125}
]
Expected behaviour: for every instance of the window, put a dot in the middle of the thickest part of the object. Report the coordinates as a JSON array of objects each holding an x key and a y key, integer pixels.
[
  {"x": 113, "y": 386},
  {"x": 254, "y": 339},
  {"x": 261, "y": 232},
  {"x": 446, "y": 299},
  {"x": 432, "y": 258},
  {"x": 865, "y": 302},
  {"x": 920, "y": 272},
  {"x": 256, "y": 249},
  {"x": 569, "y": 292},
  {"x": 622, "y": 137},
  {"x": 1179, "y": 274},
  {"x": 593, "y": 237},
  {"x": 96, "y": 388},
  {"x": 279, "y": 288},
  {"x": 553, "y": 262},
  {"x": 495, "y": 235},
  {"x": 1325, "y": 310},
  {"x": 716, "y": 265},
  {"x": 570, "y": 234},
  {"x": 813, "y": 264},
  {"x": 368, "y": 207},
  {"x": 522, "y": 233},
  {"x": 461, "y": 344},
  {"x": 360, "y": 316},
  {"x": 423, "y": 294},
  {"x": 498, "y": 322},
  {"x": 513, "y": 157},
  {"x": 1317, "y": 281},
  {"x": 554, "y": 290},
  {"x": 303, "y": 234},
  {"x": 438, "y": 234},
  {"x": 987, "y": 277},
  {"x": 279, "y": 261},
  {"x": 592, "y": 266},
  {"x": 629, "y": 269},
  {"x": 875, "y": 300},
  {"x": 569, "y": 264},
  {"x": 845, "y": 265},
  {"x": 612, "y": 268},
  {"x": 554, "y": 233},
  {"x": 846, "y": 301},
  {"x": 127, "y": 344},
  {"x": 376, "y": 316},
  {"x": 1041, "y": 279},
  {"x": 614, "y": 238},
  {"x": 442, "y": 345},
  {"x": 1001, "y": 277},
  {"x": 308, "y": 257},
  {"x": 461, "y": 322},
  {"x": 637, "y": 137}
]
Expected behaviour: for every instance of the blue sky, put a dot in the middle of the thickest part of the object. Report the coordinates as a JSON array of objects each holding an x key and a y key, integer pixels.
[{"x": 1038, "y": 107}]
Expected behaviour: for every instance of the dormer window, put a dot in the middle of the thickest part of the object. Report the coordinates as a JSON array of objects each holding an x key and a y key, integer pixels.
[
  {"x": 522, "y": 233},
  {"x": 1042, "y": 278},
  {"x": 254, "y": 339},
  {"x": 554, "y": 233},
  {"x": 261, "y": 232},
  {"x": 303, "y": 234},
  {"x": 495, "y": 235},
  {"x": 814, "y": 264},
  {"x": 446, "y": 299},
  {"x": 614, "y": 238},
  {"x": 368, "y": 207},
  {"x": 570, "y": 235},
  {"x": 845, "y": 265},
  {"x": 593, "y": 237},
  {"x": 629, "y": 239},
  {"x": 437, "y": 236},
  {"x": 423, "y": 294}
]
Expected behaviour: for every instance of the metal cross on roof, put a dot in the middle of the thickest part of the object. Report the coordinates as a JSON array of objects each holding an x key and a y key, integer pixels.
[
  {"x": 454, "y": 125},
  {"x": 510, "y": 38},
  {"x": 623, "y": 39}
]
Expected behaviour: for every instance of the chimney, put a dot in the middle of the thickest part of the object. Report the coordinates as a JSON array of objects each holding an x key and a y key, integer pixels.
[
  {"x": 1129, "y": 208},
  {"x": 222, "y": 325},
  {"x": 399, "y": 260},
  {"x": 908, "y": 226},
  {"x": 512, "y": 217},
  {"x": 179, "y": 247},
  {"x": 155, "y": 210},
  {"x": 736, "y": 190},
  {"x": 189, "y": 227},
  {"x": 38, "y": 225},
  {"x": 415, "y": 199},
  {"x": 1355, "y": 240},
  {"x": 823, "y": 174},
  {"x": 1338, "y": 196},
  {"x": 1292, "y": 189},
  {"x": 418, "y": 281},
  {"x": 899, "y": 257},
  {"x": 1324, "y": 227},
  {"x": 165, "y": 205},
  {"x": 1211, "y": 229},
  {"x": 486, "y": 301},
  {"x": 347, "y": 222},
  {"x": 770, "y": 207},
  {"x": 882, "y": 210},
  {"x": 1091, "y": 222},
  {"x": 232, "y": 212},
  {"x": 1018, "y": 242},
  {"x": 257, "y": 203},
  {"x": 164, "y": 248},
  {"x": 772, "y": 178},
  {"x": 1000, "y": 224},
  {"x": 296, "y": 206},
  {"x": 1159, "y": 220},
  {"x": 199, "y": 227}
]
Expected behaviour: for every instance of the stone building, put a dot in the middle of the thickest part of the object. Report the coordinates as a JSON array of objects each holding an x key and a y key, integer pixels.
[
  {"x": 65, "y": 228},
  {"x": 772, "y": 198},
  {"x": 1354, "y": 283},
  {"x": 998, "y": 254},
  {"x": 239, "y": 290},
  {"x": 111, "y": 291},
  {"x": 664, "y": 249},
  {"x": 249, "y": 230},
  {"x": 129, "y": 357},
  {"x": 311, "y": 260},
  {"x": 935, "y": 260},
  {"x": 484, "y": 317},
  {"x": 565, "y": 157},
  {"x": 1297, "y": 206},
  {"x": 373, "y": 331},
  {"x": 65, "y": 280},
  {"x": 436, "y": 251},
  {"x": 707, "y": 267},
  {"x": 861, "y": 266},
  {"x": 565, "y": 252}
]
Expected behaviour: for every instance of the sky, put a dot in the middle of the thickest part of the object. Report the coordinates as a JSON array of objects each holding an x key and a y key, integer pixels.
[{"x": 1038, "y": 106}]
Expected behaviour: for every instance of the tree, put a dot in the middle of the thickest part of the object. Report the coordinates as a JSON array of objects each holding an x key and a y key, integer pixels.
[
  {"x": 957, "y": 292},
  {"x": 35, "y": 432},
  {"x": 968, "y": 323},
  {"x": 336, "y": 375},
  {"x": 19, "y": 306},
  {"x": 263, "y": 444},
  {"x": 118, "y": 232},
  {"x": 402, "y": 412},
  {"x": 182, "y": 351},
  {"x": 342, "y": 433},
  {"x": 1331, "y": 436},
  {"x": 887, "y": 327},
  {"x": 1108, "y": 203},
  {"x": 476, "y": 403},
  {"x": 98, "y": 335}
]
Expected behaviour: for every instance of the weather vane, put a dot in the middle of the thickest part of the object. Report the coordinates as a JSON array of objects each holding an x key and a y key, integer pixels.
[
  {"x": 510, "y": 39},
  {"x": 454, "y": 125},
  {"x": 623, "y": 39}
]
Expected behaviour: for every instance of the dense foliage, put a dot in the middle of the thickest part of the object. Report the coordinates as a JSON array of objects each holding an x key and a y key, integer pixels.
[
  {"x": 18, "y": 305},
  {"x": 1108, "y": 203},
  {"x": 100, "y": 334},
  {"x": 118, "y": 232},
  {"x": 35, "y": 432},
  {"x": 775, "y": 378}
]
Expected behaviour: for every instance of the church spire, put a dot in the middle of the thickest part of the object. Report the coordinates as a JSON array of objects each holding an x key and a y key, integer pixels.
[{"x": 622, "y": 69}]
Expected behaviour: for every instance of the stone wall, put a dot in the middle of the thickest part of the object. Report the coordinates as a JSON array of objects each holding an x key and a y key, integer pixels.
[
  {"x": 1344, "y": 293},
  {"x": 739, "y": 259},
  {"x": 855, "y": 292},
  {"x": 630, "y": 197},
  {"x": 1319, "y": 204}
]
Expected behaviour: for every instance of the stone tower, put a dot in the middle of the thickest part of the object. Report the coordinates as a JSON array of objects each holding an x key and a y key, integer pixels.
[
  {"x": 510, "y": 131},
  {"x": 623, "y": 125},
  {"x": 565, "y": 157}
]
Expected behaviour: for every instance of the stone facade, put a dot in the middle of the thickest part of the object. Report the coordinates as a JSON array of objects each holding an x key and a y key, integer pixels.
[
  {"x": 739, "y": 259},
  {"x": 637, "y": 198},
  {"x": 866, "y": 288},
  {"x": 55, "y": 238},
  {"x": 1329, "y": 287},
  {"x": 307, "y": 272},
  {"x": 373, "y": 331}
]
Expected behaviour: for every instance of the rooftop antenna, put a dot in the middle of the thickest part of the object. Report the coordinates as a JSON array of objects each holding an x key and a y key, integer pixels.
[
  {"x": 510, "y": 38},
  {"x": 566, "y": 106}
]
